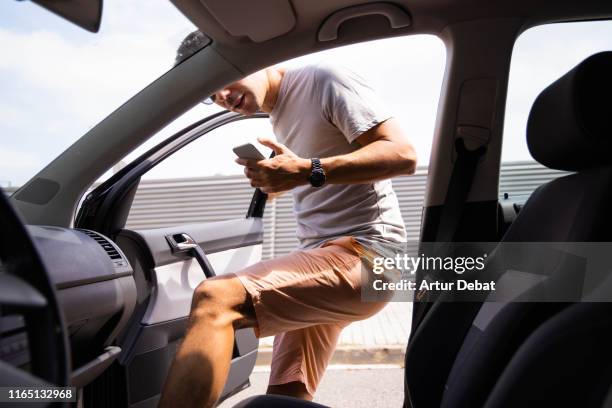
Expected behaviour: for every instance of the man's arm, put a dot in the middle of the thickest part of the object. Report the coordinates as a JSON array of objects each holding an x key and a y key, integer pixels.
[{"x": 385, "y": 153}]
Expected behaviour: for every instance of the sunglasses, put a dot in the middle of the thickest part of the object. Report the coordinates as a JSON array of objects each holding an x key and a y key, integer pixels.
[{"x": 210, "y": 100}]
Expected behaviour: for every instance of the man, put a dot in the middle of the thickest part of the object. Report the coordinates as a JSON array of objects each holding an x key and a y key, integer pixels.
[{"x": 337, "y": 148}]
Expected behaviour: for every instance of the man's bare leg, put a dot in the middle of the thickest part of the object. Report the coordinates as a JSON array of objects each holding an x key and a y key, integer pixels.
[
  {"x": 292, "y": 389},
  {"x": 201, "y": 365}
]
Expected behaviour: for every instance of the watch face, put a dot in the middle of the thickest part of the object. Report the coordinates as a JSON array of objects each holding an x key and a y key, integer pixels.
[{"x": 317, "y": 179}]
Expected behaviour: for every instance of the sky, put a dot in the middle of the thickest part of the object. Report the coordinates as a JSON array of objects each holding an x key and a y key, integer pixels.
[{"x": 58, "y": 81}]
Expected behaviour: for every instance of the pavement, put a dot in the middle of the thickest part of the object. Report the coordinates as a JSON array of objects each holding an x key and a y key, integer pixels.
[{"x": 380, "y": 339}]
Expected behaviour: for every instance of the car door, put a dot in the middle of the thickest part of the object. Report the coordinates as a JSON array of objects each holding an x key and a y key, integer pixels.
[{"x": 170, "y": 258}]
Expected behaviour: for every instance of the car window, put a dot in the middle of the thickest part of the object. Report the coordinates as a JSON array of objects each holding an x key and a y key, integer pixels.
[
  {"x": 58, "y": 81},
  {"x": 540, "y": 56},
  {"x": 201, "y": 183}
]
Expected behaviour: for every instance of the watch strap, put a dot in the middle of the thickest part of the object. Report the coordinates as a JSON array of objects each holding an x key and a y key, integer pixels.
[{"x": 317, "y": 174}]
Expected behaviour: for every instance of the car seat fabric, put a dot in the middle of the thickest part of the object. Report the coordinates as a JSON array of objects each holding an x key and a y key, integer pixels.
[
  {"x": 567, "y": 362},
  {"x": 569, "y": 209}
]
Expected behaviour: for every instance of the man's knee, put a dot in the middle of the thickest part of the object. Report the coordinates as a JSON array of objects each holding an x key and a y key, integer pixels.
[{"x": 221, "y": 300}]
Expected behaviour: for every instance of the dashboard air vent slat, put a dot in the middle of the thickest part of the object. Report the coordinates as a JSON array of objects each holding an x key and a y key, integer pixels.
[{"x": 107, "y": 246}]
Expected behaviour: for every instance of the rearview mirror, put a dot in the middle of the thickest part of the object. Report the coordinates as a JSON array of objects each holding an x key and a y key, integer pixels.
[{"x": 84, "y": 13}]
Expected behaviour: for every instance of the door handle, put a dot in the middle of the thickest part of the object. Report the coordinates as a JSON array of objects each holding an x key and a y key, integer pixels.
[
  {"x": 183, "y": 245},
  {"x": 181, "y": 242}
]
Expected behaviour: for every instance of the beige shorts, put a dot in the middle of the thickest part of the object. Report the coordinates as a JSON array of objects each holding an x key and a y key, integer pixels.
[{"x": 306, "y": 298}]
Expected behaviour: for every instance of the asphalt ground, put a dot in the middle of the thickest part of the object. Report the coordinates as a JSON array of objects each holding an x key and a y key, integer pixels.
[{"x": 351, "y": 386}]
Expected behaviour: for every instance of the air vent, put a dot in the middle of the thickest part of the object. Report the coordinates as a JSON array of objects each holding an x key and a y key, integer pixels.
[{"x": 104, "y": 243}]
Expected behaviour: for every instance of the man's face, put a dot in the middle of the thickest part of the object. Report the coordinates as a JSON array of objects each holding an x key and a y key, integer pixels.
[{"x": 245, "y": 96}]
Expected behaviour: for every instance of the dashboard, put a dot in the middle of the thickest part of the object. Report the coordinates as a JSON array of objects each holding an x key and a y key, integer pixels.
[{"x": 94, "y": 287}]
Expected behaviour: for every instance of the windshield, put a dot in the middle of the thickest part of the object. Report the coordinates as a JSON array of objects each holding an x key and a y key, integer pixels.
[{"x": 58, "y": 80}]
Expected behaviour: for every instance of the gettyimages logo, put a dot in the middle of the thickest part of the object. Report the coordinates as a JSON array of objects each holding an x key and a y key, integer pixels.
[
  {"x": 399, "y": 273},
  {"x": 410, "y": 264}
]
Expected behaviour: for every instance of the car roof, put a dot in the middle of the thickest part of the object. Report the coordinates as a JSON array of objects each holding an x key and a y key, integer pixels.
[{"x": 255, "y": 34}]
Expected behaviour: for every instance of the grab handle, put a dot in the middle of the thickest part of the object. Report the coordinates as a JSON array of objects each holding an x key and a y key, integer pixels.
[{"x": 398, "y": 18}]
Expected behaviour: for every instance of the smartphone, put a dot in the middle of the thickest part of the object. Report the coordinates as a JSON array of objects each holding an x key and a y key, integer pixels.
[{"x": 248, "y": 151}]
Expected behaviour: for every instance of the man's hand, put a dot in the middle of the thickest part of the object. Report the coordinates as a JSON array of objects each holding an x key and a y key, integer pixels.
[{"x": 281, "y": 173}]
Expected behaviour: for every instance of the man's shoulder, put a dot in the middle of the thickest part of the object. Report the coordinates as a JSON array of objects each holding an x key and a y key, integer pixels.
[
  {"x": 322, "y": 71},
  {"x": 332, "y": 72}
]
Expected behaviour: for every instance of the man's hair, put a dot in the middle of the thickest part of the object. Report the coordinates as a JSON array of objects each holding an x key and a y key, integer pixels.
[{"x": 193, "y": 43}]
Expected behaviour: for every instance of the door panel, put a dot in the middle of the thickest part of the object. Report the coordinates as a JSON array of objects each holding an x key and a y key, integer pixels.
[
  {"x": 176, "y": 282},
  {"x": 170, "y": 280},
  {"x": 229, "y": 246}
]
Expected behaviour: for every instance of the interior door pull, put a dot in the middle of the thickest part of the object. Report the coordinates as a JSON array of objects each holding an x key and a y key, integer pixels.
[
  {"x": 182, "y": 245},
  {"x": 183, "y": 242}
]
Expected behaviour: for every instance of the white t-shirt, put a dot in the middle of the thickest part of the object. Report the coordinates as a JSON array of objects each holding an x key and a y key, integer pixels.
[{"x": 320, "y": 111}]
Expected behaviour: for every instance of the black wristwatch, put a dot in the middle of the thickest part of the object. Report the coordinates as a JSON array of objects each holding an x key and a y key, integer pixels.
[{"x": 317, "y": 174}]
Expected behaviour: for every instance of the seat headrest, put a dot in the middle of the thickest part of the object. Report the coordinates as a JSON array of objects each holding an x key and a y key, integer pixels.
[{"x": 570, "y": 123}]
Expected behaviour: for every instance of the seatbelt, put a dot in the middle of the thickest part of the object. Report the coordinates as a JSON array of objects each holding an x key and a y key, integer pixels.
[{"x": 459, "y": 186}]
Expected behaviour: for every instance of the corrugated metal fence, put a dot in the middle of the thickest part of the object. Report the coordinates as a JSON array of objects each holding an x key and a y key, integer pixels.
[{"x": 160, "y": 203}]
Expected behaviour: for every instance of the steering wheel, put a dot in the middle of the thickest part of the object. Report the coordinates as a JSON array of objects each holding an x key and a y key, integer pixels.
[{"x": 27, "y": 293}]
